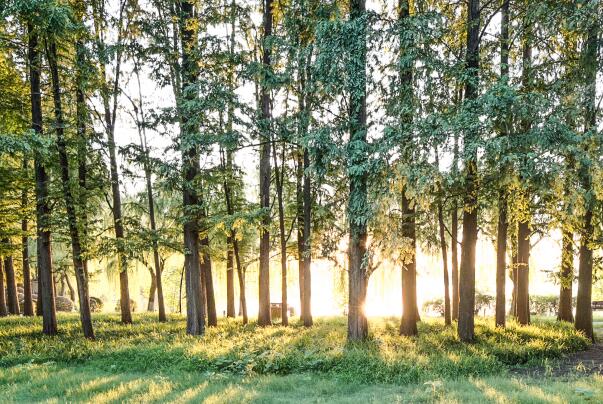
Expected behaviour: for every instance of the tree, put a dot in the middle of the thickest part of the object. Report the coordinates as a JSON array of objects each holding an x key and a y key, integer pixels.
[
  {"x": 265, "y": 116},
  {"x": 81, "y": 274},
  {"x": 470, "y": 208}
]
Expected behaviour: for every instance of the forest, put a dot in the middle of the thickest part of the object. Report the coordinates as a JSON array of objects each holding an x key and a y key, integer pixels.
[{"x": 301, "y": 200}]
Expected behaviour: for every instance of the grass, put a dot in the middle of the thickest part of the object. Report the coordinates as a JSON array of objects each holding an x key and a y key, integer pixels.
[{"x": 149, "y": 361}]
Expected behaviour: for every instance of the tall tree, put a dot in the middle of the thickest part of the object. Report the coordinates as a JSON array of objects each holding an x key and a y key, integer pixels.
[
  {"x": 408, "y": 325},
  {"x": 11, "y": 283},
  {"x": 3, "y": 308},
  {"x": 45, "y": 278},
  {"x": 195, "y": 294},
  {"x": 502, "y": 225},
  {"x": 470, "y": 210},
  {"x": 584, "y": 315},
  {"x": 70, "y": 203},
  {"x": 357, "y": 175},
  {"x": 265, "y": 116},
  {"x": 28, "y": 309}
]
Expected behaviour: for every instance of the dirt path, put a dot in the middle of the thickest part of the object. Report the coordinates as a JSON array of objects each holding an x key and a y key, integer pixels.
[{"x": 587, "y": 362}]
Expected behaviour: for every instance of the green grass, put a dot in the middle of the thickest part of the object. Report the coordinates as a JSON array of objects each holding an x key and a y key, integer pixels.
[
  {"x": 249, "y": 363},
  {"x": 52, "y": 382}
]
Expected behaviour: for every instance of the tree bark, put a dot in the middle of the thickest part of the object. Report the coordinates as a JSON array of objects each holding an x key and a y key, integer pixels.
[
  {"x": 279, "y": 176},
  {"x": 152, "y": 291},
  {"x": 12, "y": 298},
  {"x": 566, "y": 277},
  {"x": 584, "y": 313},
  {"x": 28, "y": 309},
  {"x": 266, "y": 114},
  {"x": 307, "y": 247},
  {"x": 46, "y": 290},
  {"x": 501, "y": 260},
  {"x": 230, "y": 293},
  {"x": 357, "y": 203},
  {"x": 523, "y": 273},
  {"x": 206, "y": 272},
  {"x": 466, "y": 330},
  {"x": 195, "y": 296},
  {"x": 78, "y": 262},
  {"x": 444, "y": 248},
  {"x": 455, "y": 260},
  {"x": 3, "y": 308}
]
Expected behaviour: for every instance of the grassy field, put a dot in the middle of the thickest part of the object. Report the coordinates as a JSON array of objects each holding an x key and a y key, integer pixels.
[{"x": 158, "y": 362}]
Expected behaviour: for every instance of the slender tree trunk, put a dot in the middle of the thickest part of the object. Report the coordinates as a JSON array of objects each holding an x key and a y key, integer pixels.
[
  {"x": 502, "y": 227},
  {"x": 11, "y": 284},
  {"x": 230, "y": 293},
  {"x": 566, "y": 277},
  {"x": 28, "y": 309},
  {"x": 467, "y": 269},
  {"x": 195, "y": 296},
  {"x": 279, "y": 175},
  {"x": 206, "y": 272},
  {"x": 307, "y": 247},
  {"x": 152, "y": 291},
  {"x": 46, "y": 291},
  {"x": 455, "y": 260},
  {"x": 513, "y": 276},
  {"x": 299, "y": 186},
  {"x": 501, "y": 260},
  {"x": 3, "y": 308},
  {"x": 523, "y": 273},
  {"x": 584, "y": 313},
  {"x": 78, "y": 262},
  {"x": 264, "y": 273},
  {"x": 443, "y": 247},
  {"x": 357, "y": 203}
]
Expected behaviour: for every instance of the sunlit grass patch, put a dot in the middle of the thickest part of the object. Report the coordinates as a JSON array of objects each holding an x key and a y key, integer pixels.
[{"x": 234, "y": 349}]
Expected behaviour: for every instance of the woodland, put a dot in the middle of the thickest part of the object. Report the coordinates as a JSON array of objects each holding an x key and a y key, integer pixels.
[{"x": 183, "y": 182}]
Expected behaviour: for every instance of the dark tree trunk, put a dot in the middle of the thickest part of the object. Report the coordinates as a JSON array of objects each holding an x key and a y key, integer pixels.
[
  {"x": 300, "y": 226},
  {"x": 584, "y": 313},
  {"x": 467, "y": 269},
  {"x": 501, "y": 260},
  {"x": 523, "y": 273},
  {"x": 206, "y": 272},
  {"x": 513, "y": 276},
  {"x": 307, "y": 252},
  {"x": 78, "y": 262},
  {"x": 195, "y": 296},
  {"x": 410, "y": 311},
  {"x": 502, "y": 227},
  {"x": 46, "y": 290},
  {"x": 152, "y": 291},
  {"x": 454, "y": 241},
  {"x": 11, "y": 285},
  {"x": 264, "y": 272},
  {"x": 566, "y": 277},
  {"x": 28, "y": 309},
  {"x": 3, "y": 308},
  {"x": 444, "y": 248},
  {"x": 279, "y": 173},
  {"x": 230, "y": 293},
  {"x": 357, "y": 203}
]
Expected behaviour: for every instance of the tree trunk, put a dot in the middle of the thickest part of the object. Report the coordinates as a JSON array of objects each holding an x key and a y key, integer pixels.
[
  {"x": 455, "y": 260},
  {"x": 467, "y": 270},
  {"x": 28, "y": 309},
  {"x": 513, "y": 276},
  {"x": 78, "y": 262},
  {"x": 279, "y": 176},
  {"x": 152, "y": 291},
  {"x": 523, "y": 273},
  {"x": 408, "y": 325},
  {"x": 212, "y": 316},
  {"x": 357, "y": 203},
  {"x": 300, "y": 225},
  {"x": 501, "y": 260},
  {"x": 502, "y": 227},
  {"x": 584, "y": 313},
  {"x": 264, "y": 272},
  {"x": 566, "y": 277},
  {"x": 307, "y": 247},
  {"x": 3, "y": 308},
  {"x": 46, "y": 291},
  {"x": 195, "y": 296},
  {"x": 443, "y": 247},
  {"x": 230, "y": 293},
  {"x": 11, "y": 284}
]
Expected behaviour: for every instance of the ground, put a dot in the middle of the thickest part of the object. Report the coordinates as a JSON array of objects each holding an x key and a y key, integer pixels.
[{"x": 546, "y": 362}]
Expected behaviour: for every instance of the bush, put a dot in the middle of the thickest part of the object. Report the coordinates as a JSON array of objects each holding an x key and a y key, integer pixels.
[{"x": 544, "y": 305}]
